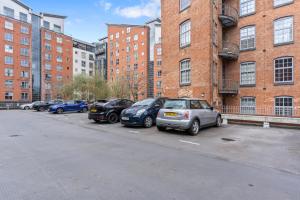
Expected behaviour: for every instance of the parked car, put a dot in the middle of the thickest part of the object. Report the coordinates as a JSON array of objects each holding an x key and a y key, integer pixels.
[
  {"x": 187, "y": 114},
  {"x": 69, "y": 106},
  {"x": 142, "y": 113},
  {"x": 45, "y": 106},
  {"x": 29, "y": 106},
  {"x": 109, "y": 110}
]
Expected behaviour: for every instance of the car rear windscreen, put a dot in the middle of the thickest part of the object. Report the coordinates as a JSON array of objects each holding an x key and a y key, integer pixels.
[{"x": 175, "y": 104}]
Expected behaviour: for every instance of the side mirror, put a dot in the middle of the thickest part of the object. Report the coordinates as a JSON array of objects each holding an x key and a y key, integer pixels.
[
  {"x": 157, "y": 106},
  {"x": 211, "y": 108}
]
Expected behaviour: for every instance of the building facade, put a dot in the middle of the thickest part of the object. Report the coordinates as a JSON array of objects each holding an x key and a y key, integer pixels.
[
  {"x": 128, "y": 57},
  {"x": 101, "y": 57},
  {"x": 15, "y": 51},
  {"x": 157, "y": 71},
  {"x": 37, "y": 54},
  {"x": 83, "y": 58},
  {"x": 241, "y": 54}
]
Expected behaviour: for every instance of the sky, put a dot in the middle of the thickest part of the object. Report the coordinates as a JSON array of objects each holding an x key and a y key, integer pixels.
[{"x": 87, "y": 18}]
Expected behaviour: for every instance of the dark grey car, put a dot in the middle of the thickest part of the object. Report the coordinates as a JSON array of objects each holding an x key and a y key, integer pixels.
[{"x": 187, "y": 114}]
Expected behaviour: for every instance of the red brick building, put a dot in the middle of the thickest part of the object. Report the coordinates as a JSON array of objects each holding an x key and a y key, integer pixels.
[
  {"x": 233, "y": 53},
  {"x": 128, "y": 57},
  {"x": 15, "y": 51},
  {"x": 158, "y": 81},
  {"x": 57, "y": 62}
]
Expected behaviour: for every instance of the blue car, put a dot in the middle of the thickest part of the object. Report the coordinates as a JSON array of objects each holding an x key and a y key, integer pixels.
[
  {"x": 142, "y": 113},
  {"x": 69, "y": 106}
]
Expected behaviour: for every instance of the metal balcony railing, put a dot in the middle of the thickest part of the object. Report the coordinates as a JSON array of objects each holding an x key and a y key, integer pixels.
[
  {"x": 228, "y": 86},
  {"x": 229, "y": 51},
  {"x": 229, "y": 16}
]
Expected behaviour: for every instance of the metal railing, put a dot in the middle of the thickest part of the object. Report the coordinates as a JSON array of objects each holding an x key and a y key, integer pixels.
[
  {"x": 11, "y": 105},
  {"x": 228, "y": 86},
  {"x": 229, "y": 50},
  {"x": 262, "y": 111},
  {"x": 230, "y": 12}
]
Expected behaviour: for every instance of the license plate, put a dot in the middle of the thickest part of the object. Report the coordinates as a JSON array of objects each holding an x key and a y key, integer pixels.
[
  {"x": 170, "y": 114},
  {"x": 125, "y": 118},
  {"x": 93, "y": 110}
]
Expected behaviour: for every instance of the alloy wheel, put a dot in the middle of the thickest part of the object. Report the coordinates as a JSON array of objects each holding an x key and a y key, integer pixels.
[{"x": 148, "y": 122}]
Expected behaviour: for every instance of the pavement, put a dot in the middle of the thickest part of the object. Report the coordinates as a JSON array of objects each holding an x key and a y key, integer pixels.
[{"x": 46, "y": 156}]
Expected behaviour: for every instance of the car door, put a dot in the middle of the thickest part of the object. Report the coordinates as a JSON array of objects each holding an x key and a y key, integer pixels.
[
  {"x": 198, "y": 111},
  {"x": 70, "y": 106},
  {"x": 210, "y": 113}
]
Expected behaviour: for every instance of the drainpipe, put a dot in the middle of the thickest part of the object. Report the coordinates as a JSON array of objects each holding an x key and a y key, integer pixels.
[{"x": 211, "y": 49}]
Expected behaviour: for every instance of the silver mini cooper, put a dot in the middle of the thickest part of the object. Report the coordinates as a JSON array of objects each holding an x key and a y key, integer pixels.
[{"x": 187, "y": 114}]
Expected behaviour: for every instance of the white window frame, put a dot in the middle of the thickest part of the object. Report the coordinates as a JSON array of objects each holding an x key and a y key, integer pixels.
[
  {"x": 184, "y": 4},
  {"x": 185, "y": 33},
  {"x": 9, "y": 72},
  {"x": 9, "y": 37},
  {"x": 8, "y": 48},
  {"x": 245, "y": 35},
  {"x": 8, "y": 58},
  {"x": 284, "y": 110},
  {"x": 246, "y": 71},
  {"x": 187, "y": 72},
  {"x": 9, "y": 25},
  {"x": 278, "y": 3},
  {"x": 250, "y": 107},
  {"x": 280, "y": 33},
  {"x": 283, "y": 69},
  {"x": 247, "y": 7}
]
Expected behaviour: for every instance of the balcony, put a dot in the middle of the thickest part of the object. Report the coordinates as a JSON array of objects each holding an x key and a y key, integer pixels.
[
  {"x": 229, "y": 87},
  {"x": 229, "y": 16},
  {"x": 229, "y": 51}
]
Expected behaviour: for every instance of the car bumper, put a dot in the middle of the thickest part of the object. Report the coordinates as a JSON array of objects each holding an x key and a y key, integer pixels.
[
  {"x": 97, "y": 116},
  {"x": 174, "y": 124},
  {"x": 133, "y": 121}
]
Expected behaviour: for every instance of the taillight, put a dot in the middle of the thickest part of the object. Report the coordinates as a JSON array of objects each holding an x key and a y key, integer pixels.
[{"x": 186, "y": 115}]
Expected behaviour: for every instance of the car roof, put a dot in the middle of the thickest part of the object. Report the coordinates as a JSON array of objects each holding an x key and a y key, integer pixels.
[{"x": 187, "y": 99}]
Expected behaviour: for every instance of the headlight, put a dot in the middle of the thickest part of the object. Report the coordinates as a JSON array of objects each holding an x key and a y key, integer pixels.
[{"x": 140, "y": 112}]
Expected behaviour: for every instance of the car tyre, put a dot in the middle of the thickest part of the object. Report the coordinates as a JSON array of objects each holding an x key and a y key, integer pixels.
[
  {"x": 113, "y": 118},
  {"x": 219, "y": 121},
  {"x": 160, "y": 128},
  {"x": 84, "y": 110},
  {"x": 59, "y": 111},
  {"x": 148, "y": 122},
  {"x": 96, "y": 120},
  {"x": 26, "y": 108},
  {"x": 41, "y": 109},
  {"x": 195, "y": 128}
]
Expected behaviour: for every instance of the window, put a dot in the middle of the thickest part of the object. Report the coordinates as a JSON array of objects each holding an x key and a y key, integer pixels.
[
  {"x": 247, "y": 37},
  {"x": 48, "y": 86},
  {"x": 117, "y": 35},
  {"x": 8, "y": 48},
  {"x": 9, "y": 83},
  {"x": 9, "y": 72},
  {"x": 24, "y": 52},
  {"x": 247, "y": 7},
  {"x": 48, "y": 36},
  {"x": 48, "y": 66},
  {"x": 136, "y": 37},
  {"x": 185, "y": 33},
  {"x": 59, "y": 40},
  {"x": 48, "y": 57},
  {"x": 24, "y": 63},
  {"x": 9, "y": 37},
  {"x": 159, "y": 74},
  {"x": 9, "y": 25},
  {"x": 57, "y": 28},
  {"x": 184, "y": 4},
  {"x": 158, "y": 84},
  {"x": 128, "y": 30},
  {"x": 248, "y": 75},
  {"x": 59, "y": 49},
  {"x": 59, "y": 58},
  {"x": 83, "y": 64},
  {"x": 8, "y": 60},
  {"x": 159, "y": 62},
  {"x": 284, "y": 68},
  {"x": 9, "y": 96},
  {"x": 23, "y": 17},
  {"x": 128, "y": 39},
  {"x": 83, "y": 55},
  {"x": 283, "y": 30},
  {"x": 284, "y": 106},
  {"x": 24, "y": 29},
  {"x": 46, "y": 24},
  {"x": 24, "y": 74},
  {"x": 159, "y": 51},
  {"x": 195, "y": 104},
  {"x": 91, "y": 57},
  {"x": 59, "y": 77},
  {"x": 9, "y": 12},
  {"x": 24, "y": 85},
  {"x": 282, "y": 2},
  {"x": 248, "y": 105},
  {"x": 25, "y": 41},
  {"x": 59, "y": 68},
  {"x": 24, "y": 96},
  {"x": 135, "y": 47},
  {"x": 185, "y": 72},
  {"x": 48, "y": 46}
]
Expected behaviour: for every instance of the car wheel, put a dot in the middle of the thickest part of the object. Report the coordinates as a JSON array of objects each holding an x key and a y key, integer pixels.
[
  {"x": 160, "y": 128},
  {"x": 60, "y": 111},
  {"x": 113, "y": 118},
  {"x": 195, "y": 127},
  {"x": 84, "y": 110},
  {"x": 96, "y": 120},
  {"x": 148, "y": 122},
  {"x": 219, "y": 121},
  {"x": 41, "y": 109},
  {"x": 26, "y": 108}
]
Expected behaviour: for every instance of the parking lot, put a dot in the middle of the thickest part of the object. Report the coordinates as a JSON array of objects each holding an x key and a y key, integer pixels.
[{"x": 48, "y": 156}]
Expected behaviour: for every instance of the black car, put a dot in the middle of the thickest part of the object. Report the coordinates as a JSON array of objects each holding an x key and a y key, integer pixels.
[
  {"x": 142, "y": 113},
  {"x": 109, "y": 110},
  {"x": 45, "y": 106}
]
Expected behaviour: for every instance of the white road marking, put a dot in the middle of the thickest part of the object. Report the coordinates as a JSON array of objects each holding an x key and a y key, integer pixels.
[
  {"x": 188, "y": 142},
  {"x": 135, "y": 132}
]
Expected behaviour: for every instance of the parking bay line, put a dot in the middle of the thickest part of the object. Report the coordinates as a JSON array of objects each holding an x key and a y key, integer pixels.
[{"x": 188, "y": 142}]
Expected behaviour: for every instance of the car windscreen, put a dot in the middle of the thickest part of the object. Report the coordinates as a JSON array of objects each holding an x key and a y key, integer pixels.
[
  {"x": 175, "y": 104},
  {"x": 146, "y": 102}
]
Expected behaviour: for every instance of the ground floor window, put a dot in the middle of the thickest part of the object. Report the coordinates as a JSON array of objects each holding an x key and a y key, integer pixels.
[
  {"x": 185, "y": 72},
  {"x": 24, "y": 96},
  {"x": 248, "y": 105},
  {"x": 284, "y": 106},
  {"x": 9, "y": 96}
]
